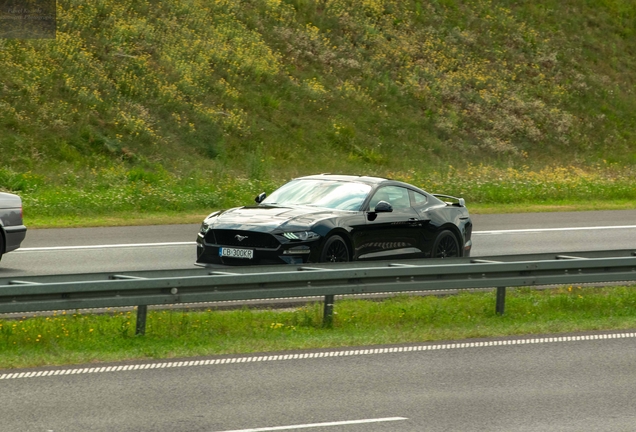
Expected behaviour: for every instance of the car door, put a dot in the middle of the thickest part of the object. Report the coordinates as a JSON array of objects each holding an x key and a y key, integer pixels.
[{"x": 391, "y": 234}]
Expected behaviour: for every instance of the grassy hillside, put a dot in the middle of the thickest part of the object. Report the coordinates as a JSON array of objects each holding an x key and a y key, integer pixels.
[{"x": 141, "y": 104}]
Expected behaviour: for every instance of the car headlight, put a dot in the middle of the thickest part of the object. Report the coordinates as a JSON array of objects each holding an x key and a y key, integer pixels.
[
  {"x": 205, "y": 226},
  {"x": 301, "y": 235}
]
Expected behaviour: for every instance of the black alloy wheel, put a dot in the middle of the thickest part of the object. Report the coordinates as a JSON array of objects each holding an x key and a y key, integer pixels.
[
  {"x": 446, "y": 245},
  {"x": 334, "y": 250}
]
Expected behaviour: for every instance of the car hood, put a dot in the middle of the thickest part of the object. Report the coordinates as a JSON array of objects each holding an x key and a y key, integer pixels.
[{"x": 269, "y": 218}]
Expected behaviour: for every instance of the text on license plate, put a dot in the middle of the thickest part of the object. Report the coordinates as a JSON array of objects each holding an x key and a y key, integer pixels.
[{"x": 236, "y": 253}]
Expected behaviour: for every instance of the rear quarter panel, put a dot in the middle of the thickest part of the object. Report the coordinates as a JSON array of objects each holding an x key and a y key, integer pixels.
[{"x": 454, "y": 218}]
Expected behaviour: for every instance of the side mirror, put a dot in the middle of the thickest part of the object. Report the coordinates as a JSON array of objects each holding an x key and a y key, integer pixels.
[
  {"x": 261, "y": 196},
  {"x": 383, "y": 207}
]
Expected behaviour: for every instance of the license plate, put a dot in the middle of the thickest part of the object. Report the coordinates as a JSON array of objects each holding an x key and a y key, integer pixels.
[{"x": 236, "y": 253}]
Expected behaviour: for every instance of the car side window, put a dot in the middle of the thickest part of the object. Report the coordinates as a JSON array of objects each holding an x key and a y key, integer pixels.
[
  {"x": 397, "y": 196},
  {"x": 418, "y": 200}
]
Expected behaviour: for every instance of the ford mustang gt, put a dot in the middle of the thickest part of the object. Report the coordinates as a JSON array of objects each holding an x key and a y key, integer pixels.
[{"x": 334, "y": 218}]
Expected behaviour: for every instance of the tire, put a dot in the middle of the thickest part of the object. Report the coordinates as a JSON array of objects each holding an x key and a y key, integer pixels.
[
  {"x": 334, "y": 250},
  {"x": 445, "y": 246}
]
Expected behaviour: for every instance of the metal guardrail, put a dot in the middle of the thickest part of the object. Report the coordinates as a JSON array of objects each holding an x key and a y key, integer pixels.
[{"x": 45, "y": 293}]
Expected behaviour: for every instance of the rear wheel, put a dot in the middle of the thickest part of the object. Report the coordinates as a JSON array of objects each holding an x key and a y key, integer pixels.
[
  {"x": 334, "y": 250},
  {"x": 446, "y": 245}
]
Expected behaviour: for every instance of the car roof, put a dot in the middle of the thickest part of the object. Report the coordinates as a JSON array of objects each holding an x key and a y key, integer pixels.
[
  {"x": 371, "y": 181},
  {"x": 346, "y": 178}
]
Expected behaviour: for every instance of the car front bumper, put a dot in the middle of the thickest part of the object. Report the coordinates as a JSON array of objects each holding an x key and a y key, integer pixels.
[{"x": 293, "y": 253}]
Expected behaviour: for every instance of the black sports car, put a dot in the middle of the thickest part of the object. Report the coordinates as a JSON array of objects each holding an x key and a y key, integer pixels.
[{"x": 324, "y": 218}]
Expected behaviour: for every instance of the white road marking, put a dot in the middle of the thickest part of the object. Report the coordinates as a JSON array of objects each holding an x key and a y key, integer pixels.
[
  {"x": 326, "y": 424},
  {"x": 539, "y": 230},
  {"x": 192, "y": 243},
  {"x": 314, "y": 355},
  {"x": 108, "y": 246}
]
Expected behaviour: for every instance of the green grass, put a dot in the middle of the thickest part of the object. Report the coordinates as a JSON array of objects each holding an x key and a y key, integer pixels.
[
  {"x": 134, "y": 196},
  {"x": 73, "y": 338},
  {"x": 262, "y": 90},
  {"x": 556, "y": 206},
  {"x": 196, "y": 217}
]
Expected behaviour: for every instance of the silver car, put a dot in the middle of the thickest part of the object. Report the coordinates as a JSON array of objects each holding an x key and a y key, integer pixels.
[{"x": 12, "y": 229}]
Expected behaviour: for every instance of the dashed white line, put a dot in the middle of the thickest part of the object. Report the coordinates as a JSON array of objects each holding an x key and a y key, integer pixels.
[
  {"x": 325, "y": 424},
  {"x": 315, "y": 355}
]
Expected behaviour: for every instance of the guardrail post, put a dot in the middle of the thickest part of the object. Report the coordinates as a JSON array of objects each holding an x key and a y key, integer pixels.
[
  {"x": 142, "y": 311},
  {"x": 327, "y": 320},
  {"x": 501, "y": 300}
]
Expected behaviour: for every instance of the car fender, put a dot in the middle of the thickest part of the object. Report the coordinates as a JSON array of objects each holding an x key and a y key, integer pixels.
[{"x": 340, "y": 231}]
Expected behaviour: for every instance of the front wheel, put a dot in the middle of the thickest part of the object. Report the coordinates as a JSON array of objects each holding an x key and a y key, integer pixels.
[
  {"x": 446, "y": 245},
  {"x": 334, "y": 250}
]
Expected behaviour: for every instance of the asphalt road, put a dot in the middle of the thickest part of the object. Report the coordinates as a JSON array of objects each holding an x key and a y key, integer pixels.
[
  {"x": 537, "y": 384},
  {"x": 572, "y": 384},
  {"x": 85, "y": 250}
]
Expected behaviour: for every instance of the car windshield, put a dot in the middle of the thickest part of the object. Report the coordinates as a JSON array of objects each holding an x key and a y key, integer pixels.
[{"x": 320, "y": 193}]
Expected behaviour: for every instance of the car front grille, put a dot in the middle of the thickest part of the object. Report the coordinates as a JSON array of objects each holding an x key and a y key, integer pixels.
[{"x": 249, "y": 239}]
